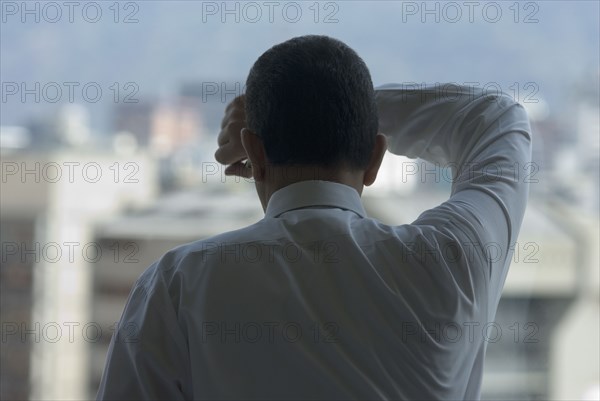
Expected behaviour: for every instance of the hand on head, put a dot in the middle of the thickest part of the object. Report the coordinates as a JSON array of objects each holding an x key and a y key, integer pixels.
[{"x": 231, "y": 151}]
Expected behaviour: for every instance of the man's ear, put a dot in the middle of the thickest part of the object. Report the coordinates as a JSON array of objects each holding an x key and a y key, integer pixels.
[
  {"x": 256, "y": 153},
  {"x": 376, "y": 159}
]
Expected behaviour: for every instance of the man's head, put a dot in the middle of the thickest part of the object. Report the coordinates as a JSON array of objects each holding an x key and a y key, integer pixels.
[{"x": 310, "y": 103}]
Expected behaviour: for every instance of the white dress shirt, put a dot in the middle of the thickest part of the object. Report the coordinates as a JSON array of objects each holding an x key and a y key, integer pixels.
[{"x": 319, "y": 301}]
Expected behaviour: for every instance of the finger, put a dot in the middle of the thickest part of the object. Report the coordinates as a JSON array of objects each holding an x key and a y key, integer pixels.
[
  {"x": 230, "y": 153},
  {"x": 223, "y": 137},
  {"x": 230, "y": 131},
  {"x": 239, "y": 169}
]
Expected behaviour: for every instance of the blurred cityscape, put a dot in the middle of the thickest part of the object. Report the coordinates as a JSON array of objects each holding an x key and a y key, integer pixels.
[
  {"x": 81, "y": 220},
  {"x": 92, "y": 194}
]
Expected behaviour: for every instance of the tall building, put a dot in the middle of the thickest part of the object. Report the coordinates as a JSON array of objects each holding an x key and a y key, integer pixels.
[
  {"x": 51, "y": 203},
  {"x": 16, "y": 304}
]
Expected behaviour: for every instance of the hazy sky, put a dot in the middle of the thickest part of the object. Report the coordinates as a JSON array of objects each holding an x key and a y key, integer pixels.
[{"x": 535, "y": 49}]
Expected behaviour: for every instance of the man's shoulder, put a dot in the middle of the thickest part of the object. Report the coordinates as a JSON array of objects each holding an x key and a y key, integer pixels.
[
  {"x": 189, "y": 264},
  {"x": 204, "y": 253}
]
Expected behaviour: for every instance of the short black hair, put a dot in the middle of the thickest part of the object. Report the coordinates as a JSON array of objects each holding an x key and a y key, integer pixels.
[{"x": 312, "y": 101}]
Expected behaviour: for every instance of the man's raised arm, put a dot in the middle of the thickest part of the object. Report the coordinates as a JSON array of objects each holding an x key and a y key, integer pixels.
[{"x": 486, "y": 140}]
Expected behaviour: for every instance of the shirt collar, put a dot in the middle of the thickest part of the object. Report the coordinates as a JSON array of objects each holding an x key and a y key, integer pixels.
[{"x": 313, "y": 193}]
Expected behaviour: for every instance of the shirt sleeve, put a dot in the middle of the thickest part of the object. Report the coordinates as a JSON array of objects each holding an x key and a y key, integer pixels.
[
  {"x": 486, "y": 141},
  {"x": 147, "y": 357}
]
